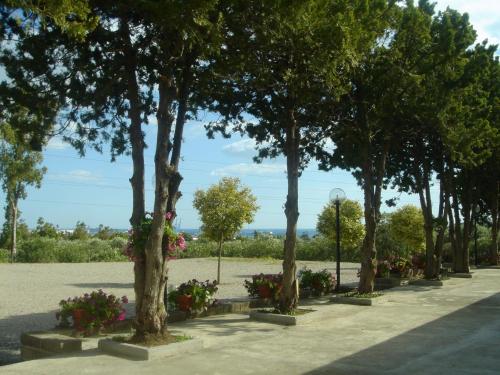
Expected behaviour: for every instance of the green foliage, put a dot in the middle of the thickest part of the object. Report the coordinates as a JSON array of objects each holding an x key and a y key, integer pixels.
[
  {"x": 407, "y": 228},
  {"x": 224, "y": 209},
  {"x": 200, "y": 294},
  {"x": 46, "y": 229},
  {"x": 351, "y": 228},
  {"x": 104, "y": 232},
  {"x": 4, "y": 256},
  {"x": 72, "y": 16},
  {"x": 318, "y": 282},
  {"x": 80, "y": 232},
  {"x": 51, "y": 250}
]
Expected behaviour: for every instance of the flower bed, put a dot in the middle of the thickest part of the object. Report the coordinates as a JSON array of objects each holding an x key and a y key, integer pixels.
[
  {"x": 91, "y": 312},
  {"x": 265, "y": 286},
  {"x": 317, "y": 283},
  {"x": 192, "y": 296}
]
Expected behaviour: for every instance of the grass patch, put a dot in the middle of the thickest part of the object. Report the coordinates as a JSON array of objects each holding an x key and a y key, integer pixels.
[
  {"x": 356, "y": 294},
  {"x": 296, "y": 312}
]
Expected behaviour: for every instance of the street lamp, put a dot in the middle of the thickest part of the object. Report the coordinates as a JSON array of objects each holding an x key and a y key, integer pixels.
[
  {"x": 477, "y": 209},
  {"x": 337, "y": 195}
]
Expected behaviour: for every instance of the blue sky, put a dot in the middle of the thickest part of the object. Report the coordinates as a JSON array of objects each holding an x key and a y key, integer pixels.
[{"x": 96, "y": 191}]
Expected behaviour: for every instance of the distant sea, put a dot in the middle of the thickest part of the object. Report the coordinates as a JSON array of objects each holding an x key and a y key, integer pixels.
[{"x": 244, "y": 233}]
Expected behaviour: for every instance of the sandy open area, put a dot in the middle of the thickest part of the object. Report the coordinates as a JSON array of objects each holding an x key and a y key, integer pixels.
[{"x": 30, "y": 293}]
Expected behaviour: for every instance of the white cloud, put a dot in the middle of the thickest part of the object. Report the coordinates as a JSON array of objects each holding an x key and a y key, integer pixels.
[
  {"x": 240, "y": 147},
  {"x": 483, "y": 16},
  {"x": 243, "y": 169},
  {"x": 76, "y": 175},
  {"x": 57, "y": 143}
]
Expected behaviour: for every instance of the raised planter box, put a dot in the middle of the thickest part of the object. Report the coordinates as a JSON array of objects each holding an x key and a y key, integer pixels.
[
  {"x": 137, "y": 352},
  {"x": 390, "y": 282},
  {"x": 286, "y": 320},
  {"x": 36, "y": 345},
  {"x": 359, "y": 301},
  {"x": 425, "y": 282},
  {"x": 461, "y": 275}
]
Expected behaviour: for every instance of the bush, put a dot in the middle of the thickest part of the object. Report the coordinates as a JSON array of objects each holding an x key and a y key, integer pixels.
[
  {"x": 50, "y": 250},
  {"x": 318, "y": 248},
  {"x": 4, "y": 256}
]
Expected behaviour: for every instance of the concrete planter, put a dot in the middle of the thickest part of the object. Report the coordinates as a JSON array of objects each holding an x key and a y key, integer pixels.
[
  {"x": 359, "y": 301},
  {"x": 285, "y": 320},
  {"x": 461, "y": 275},
  {"x": 36, "y": 345},
  {"x": 390, "y": 282},
  {"x": 425, "y": 282},
  {"x": 137, "y": 352}
]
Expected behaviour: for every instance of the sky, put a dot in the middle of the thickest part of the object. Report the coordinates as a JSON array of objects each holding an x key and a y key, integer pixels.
[{"x": 96, "y": 191}]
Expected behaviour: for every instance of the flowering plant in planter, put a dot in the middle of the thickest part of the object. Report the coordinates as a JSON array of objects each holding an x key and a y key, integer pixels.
[
  {"x": 138, "y": 237},
  {"x": 418, "y": 261},
  {"x": 193, "y": 295},
  {"x": 265, "y": 286},
  {"x": 401, "y": 267},
  {"x": 317, "y": 282},
  {"x": 383, "y": 268},
  {"x": 91, "y": 312}
]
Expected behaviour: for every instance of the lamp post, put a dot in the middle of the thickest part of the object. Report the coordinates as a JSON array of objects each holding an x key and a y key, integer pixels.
[
  {"x": 337, "y": 196},
  {"x": 477, "y": 209}
]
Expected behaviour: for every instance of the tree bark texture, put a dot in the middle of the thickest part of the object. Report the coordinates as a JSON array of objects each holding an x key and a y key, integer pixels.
[
  {"x": 494, "y": 227},
  {"x": 13, "y": 245},
  {"x": 288, "y": 297},
  {"x": 373, "y": 175},
  {"x": 137, "y": 180}
]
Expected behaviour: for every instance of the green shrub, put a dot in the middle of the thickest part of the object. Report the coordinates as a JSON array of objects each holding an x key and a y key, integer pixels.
[
  {"x": 50, "y": 250},
  {"x": 4, "y": 256}
]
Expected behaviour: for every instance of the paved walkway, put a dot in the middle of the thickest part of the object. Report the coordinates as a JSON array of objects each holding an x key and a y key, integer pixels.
[{"x": 417, "y": 330}]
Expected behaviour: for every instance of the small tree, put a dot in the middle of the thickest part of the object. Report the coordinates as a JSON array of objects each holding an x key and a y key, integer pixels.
[
  {"x": 352, "y": 229},
  {"x": 224, "y": 208},
  {"x": 19, "y": 168},
  {"x": 407, "y": 228},
  {"x": 80, "y": 232},
  {"x": 46, "y": 229}
]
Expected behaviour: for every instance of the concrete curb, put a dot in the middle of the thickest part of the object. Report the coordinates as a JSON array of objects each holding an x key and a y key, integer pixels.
[
  {"x": 358, "y": 301},
  {"x": 285, "y": 320},
  {"x": 424, "y": 282},
  {"x": 461, "y": 275},
  {"x": 137, "y": 352}
]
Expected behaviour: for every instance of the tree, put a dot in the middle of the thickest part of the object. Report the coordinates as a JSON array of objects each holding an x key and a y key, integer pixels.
[
  {"x": 351, "y": 228},
  {"x": 19, "y": 169},
  {"x": 407, "y": 228},
  {"x": 80, "y": 232},
  {"x": 72, "y": 16},
  {"x": 104, "y": 232},
  {"x": 46, "y": 229},
  {"x": 139, "y": 61},
  {"x": 279, "y": 60},
  {"x": 224, "y": 208}
]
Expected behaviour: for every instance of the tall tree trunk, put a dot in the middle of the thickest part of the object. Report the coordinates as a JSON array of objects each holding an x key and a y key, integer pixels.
[
  {"x": 373, "y": 177},
  {"x": 13, "y": 245},
  {"x": 176, "y": 178},
  {"x": 494, "y": 227},
  {"x": 467, "y": 207},
  {"x": 289, "y": 298},
  {"x": 137, "y": 180},
  {"x": 442, "y": 219},
  {"x": 153, "y": 313},
  {"x": 423, "y": 187},
  {"x": 219, "y": 252}
]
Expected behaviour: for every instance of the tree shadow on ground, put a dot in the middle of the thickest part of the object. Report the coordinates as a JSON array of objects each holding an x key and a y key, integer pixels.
[
  {"x": 466, "y": 341},
  {"x": 11, "y": 329}
]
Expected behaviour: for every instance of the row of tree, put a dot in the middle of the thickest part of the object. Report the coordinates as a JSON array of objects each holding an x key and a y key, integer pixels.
[{"x": 402, "y": 93}]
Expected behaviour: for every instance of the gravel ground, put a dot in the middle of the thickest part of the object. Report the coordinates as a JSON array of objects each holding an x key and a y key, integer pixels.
[{"x": 30, "y": 293}]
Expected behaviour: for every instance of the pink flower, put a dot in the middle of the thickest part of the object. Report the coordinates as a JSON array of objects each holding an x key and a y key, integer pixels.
[
  {"x": 124, "y": 299},
  {"x": 181, "y": 242},
  {"x": 121, "y": 316},
  {"x": 169, "y": 216}
]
